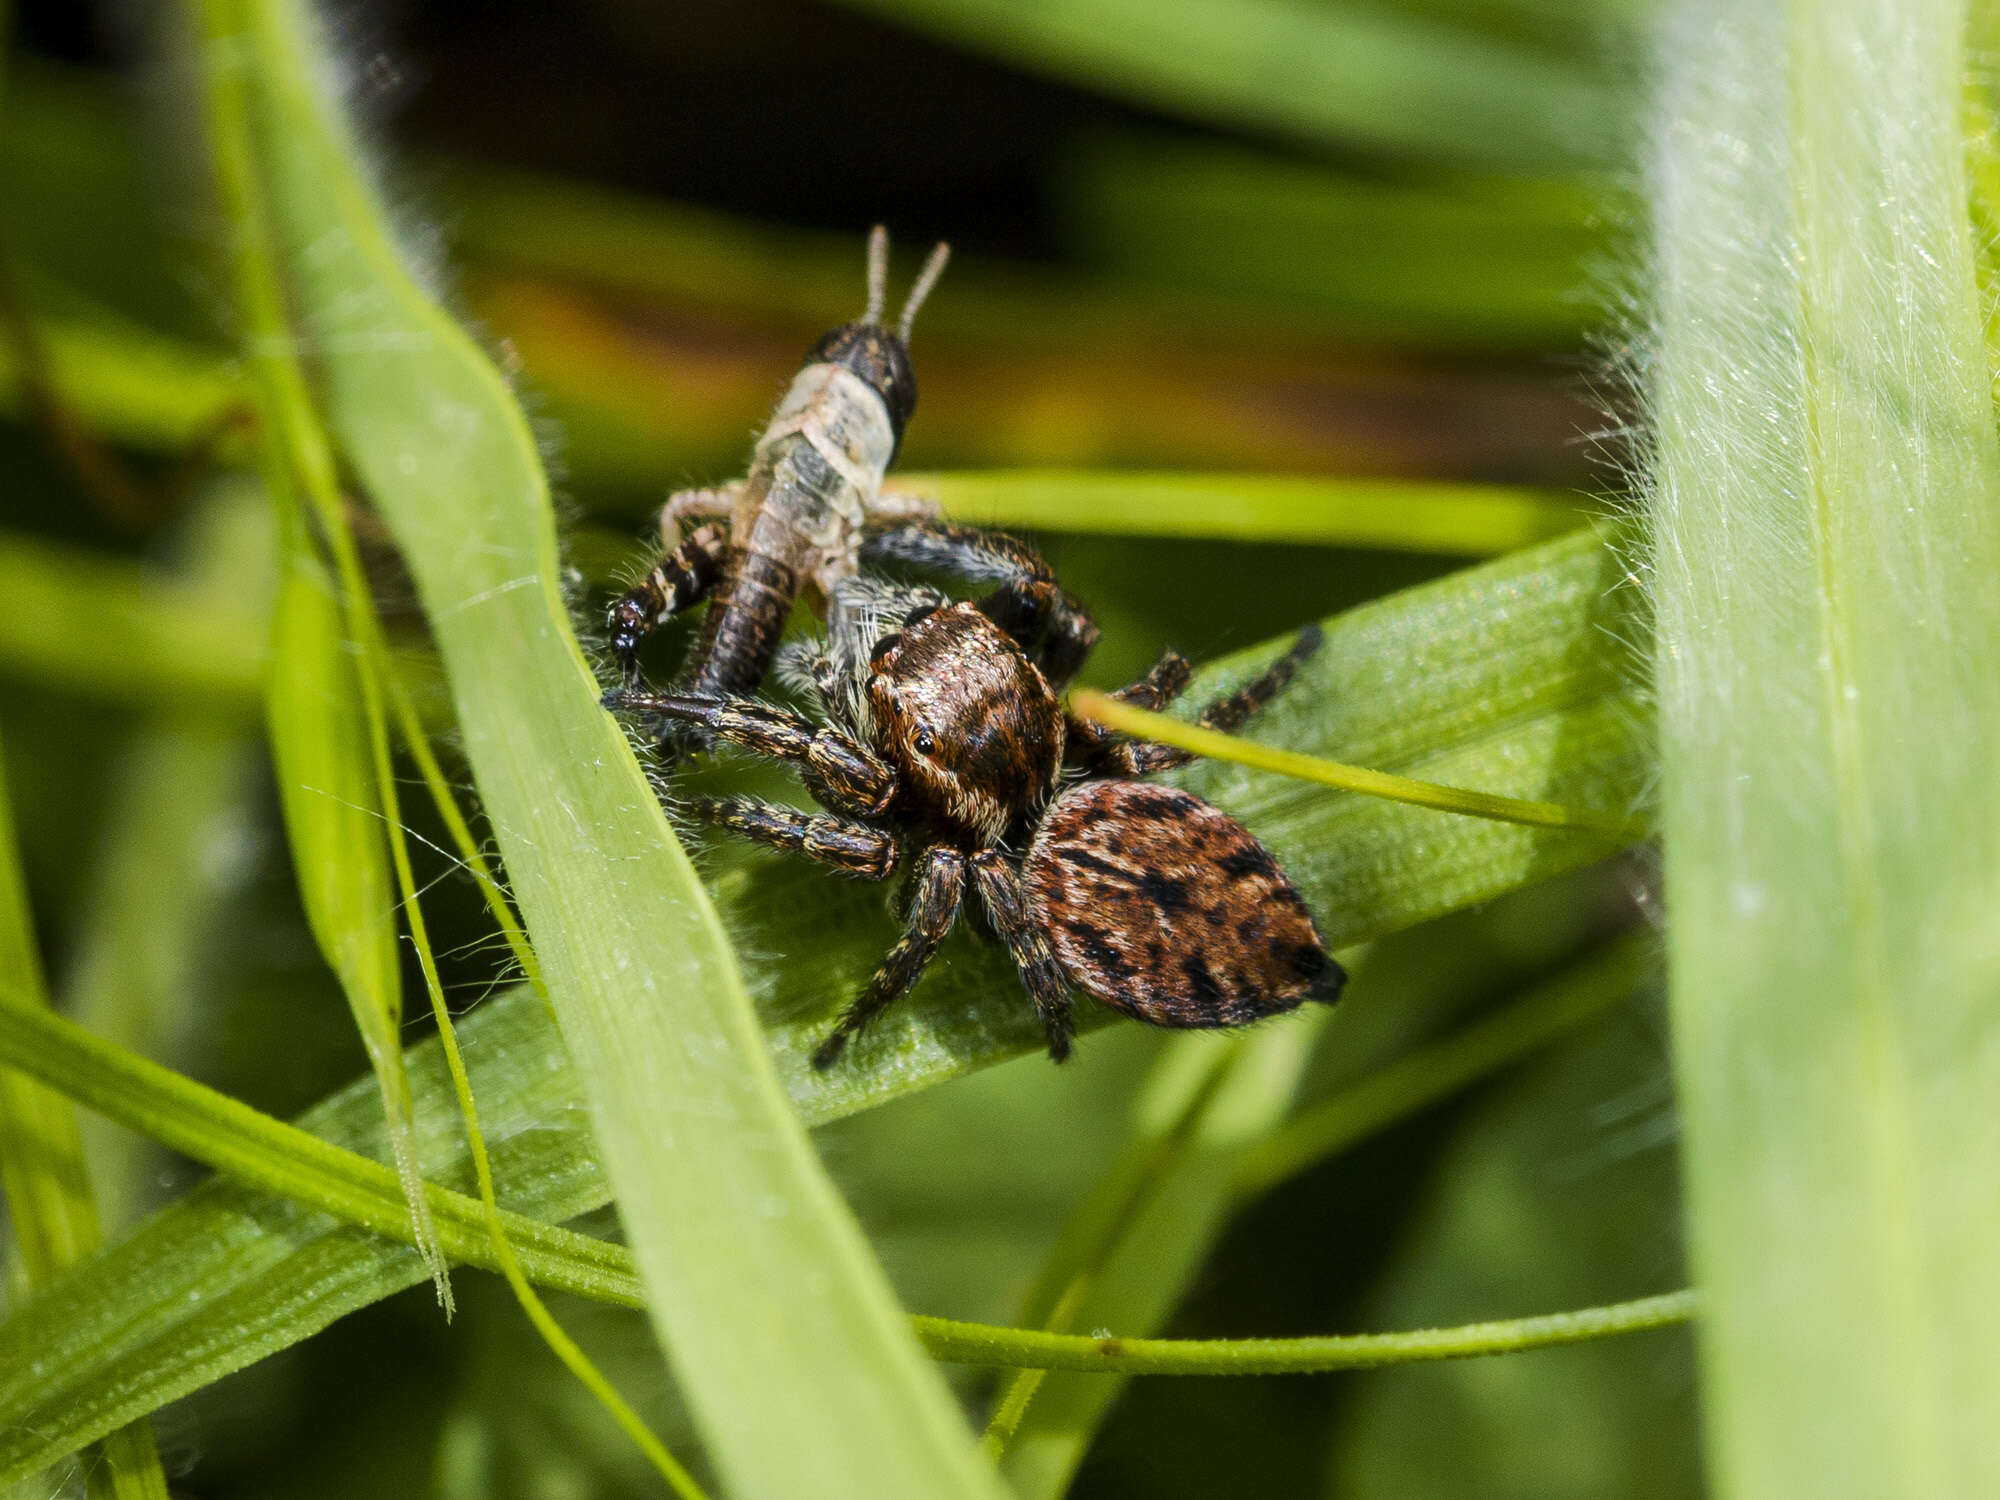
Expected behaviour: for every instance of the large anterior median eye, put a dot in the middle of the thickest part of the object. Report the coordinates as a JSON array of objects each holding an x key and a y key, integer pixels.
[{"x": 924, "y": 743}]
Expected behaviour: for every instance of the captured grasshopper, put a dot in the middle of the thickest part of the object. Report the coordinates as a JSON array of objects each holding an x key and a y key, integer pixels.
[{"x": 797, "y": 516}]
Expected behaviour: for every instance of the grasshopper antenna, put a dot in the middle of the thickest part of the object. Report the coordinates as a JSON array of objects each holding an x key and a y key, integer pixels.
[
  {"x": 878, "y": 273},
  {"x": 926, "y": 279}
]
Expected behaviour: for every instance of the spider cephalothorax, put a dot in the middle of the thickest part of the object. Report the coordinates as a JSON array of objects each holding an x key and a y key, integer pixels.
[
  {"x": 972, "y": 723},
  {"x": 946, "y": 745}
]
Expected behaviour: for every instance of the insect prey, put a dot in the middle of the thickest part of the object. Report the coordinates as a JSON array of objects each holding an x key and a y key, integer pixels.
[{"x": 797, "y": 515}]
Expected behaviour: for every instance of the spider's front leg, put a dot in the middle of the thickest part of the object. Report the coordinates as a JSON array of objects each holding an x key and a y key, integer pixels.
[
  {"x": 1053, "y": 627},
  {"x": 939, "y": 891},
  {"x": 999, "y": 890},
  {"x": 836, "y": 768}
]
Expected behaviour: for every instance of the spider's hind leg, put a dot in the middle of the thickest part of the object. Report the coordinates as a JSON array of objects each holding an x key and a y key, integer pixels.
[
  {"x": 999, "y": 890},
  {"x": 1089, "y": 741},
  {"x": 1106, "y": 754},
  {"x": 940, "y": 889}
]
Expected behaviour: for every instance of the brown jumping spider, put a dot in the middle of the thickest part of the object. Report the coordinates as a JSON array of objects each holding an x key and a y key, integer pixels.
[
  {"x": 815, "y": 480},
  {"x": 946, "y": 742}
]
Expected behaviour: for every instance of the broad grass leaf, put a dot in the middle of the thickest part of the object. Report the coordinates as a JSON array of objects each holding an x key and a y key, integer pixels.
[
  {"x": 1508, "y": 675},
  {"x": 1826, "y": 535}
]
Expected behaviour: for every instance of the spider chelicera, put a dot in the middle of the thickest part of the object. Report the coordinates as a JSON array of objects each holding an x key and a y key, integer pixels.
[{"x": 945, "y": 747}]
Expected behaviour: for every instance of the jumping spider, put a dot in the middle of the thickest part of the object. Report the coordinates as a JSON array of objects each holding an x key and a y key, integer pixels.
[{"x": 946, "y": 743}]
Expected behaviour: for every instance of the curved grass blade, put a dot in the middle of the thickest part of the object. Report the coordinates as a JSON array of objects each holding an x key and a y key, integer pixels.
[
  {"x": 552, "y": 1333},
  {"x": 1332, "y": 75},
  {"x": 42, "y": 1174},
  {"x": 177, "y": 828},
  {"x": 973, "y": 1343},
  {"x": 283, "y": 1159},
  {"x": 1132, "y": 1248},
  {"x": 1509, "y": 676},
  {"x": 801, "y": 1373},
  {"x": 1519, "y": 681},
  {"x": 363, "y": 1192},
  {"x": 328, "y": 741},
  {"x": 1826, "y": 537},
  {"x": 328, "y": 789}
]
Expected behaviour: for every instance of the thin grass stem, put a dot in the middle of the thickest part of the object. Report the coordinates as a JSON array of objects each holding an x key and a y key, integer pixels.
[{"x": 1144, "y": 724}]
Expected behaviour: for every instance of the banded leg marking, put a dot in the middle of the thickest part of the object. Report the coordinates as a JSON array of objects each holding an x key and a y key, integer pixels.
[
  {"x": 682, "y": 578},
  {"x": 684, "y": 505},
  {"x": 1163, "y": 683},
  {"x": 999, "y": 888},
  {"x": 1142, "y": 758},
  {"x": 940, "y": 889},
  {"x": 837, "y": 769},
  {"x": 851, "y": 848},
  {"x": 1054, "y": 627}
]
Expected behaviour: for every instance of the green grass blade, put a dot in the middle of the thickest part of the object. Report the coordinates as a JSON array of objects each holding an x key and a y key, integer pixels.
[
  {"x": 1328, "y": 74},
  {"x": 1508, "y": 676},
  {"x": 110, "y": 629},
  {"x": 1827, "y": 537},
  {"x": 1127, "y": 1256},
  {"x": 127, "y": 383},
  {"x": 553, "y": 1335},
  {"x": 257, "y": 1150},
  {"x": 42, "y": 1172},
  {"x": 177, "y": 830},
  {"x": 1441, "y": 1068},
  {"x": 802, "y": 1374},
  {"x": 1489, "y": 261},
  {"x": 1470, "y": 520},
  {"x": 1520, "y": 684},
  {"x": 328, "y": 740},
  {"x": 328, "y": 789}
]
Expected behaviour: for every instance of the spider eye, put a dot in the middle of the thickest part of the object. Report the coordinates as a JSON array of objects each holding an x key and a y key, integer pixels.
[
  {"x": 923, "y": 742},
  {"x": 920, "y": 613}
]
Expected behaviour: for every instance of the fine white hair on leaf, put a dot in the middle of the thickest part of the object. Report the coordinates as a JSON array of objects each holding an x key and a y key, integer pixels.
[{"x": 1823, "y": 503}]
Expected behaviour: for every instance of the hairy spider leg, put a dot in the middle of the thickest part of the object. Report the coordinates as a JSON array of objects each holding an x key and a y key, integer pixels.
[
  {"x": 1053, "y": 627},
  {"x": 1108, "y": 755},
  {"x": 836, "y": 768},
  {"x": 851, "y": 848},
  {"x": 684, "y": 576},
  {"x": 939, "y": 891},
  {"x": 999, "y": 887},
  {"x": 1165, "y": 681}
]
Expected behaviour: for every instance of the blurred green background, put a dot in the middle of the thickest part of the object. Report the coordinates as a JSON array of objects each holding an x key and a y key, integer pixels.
[{"x": 1355, "y": 238}]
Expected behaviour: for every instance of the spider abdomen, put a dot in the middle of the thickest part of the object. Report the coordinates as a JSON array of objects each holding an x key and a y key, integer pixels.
[{"x": 1168, "y": 909}]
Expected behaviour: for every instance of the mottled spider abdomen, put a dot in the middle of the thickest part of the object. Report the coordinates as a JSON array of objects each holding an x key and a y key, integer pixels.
[{"x": 1168, "y": 909}]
